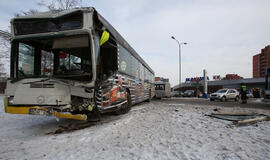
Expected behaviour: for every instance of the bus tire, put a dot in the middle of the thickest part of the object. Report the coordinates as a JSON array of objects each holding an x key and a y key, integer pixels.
[{"x": 125, "y": 107}]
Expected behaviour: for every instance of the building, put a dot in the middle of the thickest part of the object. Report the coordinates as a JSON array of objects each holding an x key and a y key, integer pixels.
[
  {"x": 261, "y": 61},
  {"x": 232, "y": 76},
  {"x": 213, "y": 86},
  {"x": 161, "y": 79}
]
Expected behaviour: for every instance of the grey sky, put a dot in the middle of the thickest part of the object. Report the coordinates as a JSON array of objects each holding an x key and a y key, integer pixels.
[{"x": 222, "y": 35}]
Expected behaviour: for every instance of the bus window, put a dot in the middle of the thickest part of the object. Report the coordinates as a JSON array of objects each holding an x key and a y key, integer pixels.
[
  {"x": 26, "y": 60},
  {"x": 160, "y": 87},
  {"x": 67, "y": 58},
  {"x": 74, "y": 61},
  {"x": 108, "y": 59},
  {"x": 69, "y": 61},
  {"x": 46, "y": 63}
]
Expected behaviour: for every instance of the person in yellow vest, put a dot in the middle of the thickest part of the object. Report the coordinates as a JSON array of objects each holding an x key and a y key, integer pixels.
[{"x": 244, "y": 93}]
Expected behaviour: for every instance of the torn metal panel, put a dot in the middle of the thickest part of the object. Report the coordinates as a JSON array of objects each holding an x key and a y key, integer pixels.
[
  {"x": 233, "y": 117},
  {"x": 241, "y": 118}
]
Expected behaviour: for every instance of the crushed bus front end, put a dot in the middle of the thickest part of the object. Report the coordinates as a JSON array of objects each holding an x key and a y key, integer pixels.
[
  {"x": 53, "y": 70},
  {"x": 48, "y": 97}
]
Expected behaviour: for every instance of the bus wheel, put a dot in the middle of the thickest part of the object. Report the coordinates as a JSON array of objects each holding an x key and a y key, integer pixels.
[
  {"x": 149, "y": 98},
  {"x": 95, "y": 115},
  {"x": 124, "y": 108}
]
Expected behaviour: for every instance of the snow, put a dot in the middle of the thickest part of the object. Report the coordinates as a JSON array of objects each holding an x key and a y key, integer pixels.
[{"x": 155, "y": 130}]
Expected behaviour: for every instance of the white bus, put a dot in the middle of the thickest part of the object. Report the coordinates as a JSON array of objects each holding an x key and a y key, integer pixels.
[
  {"x": 72, "y": 63},
  {"x": 162, "y": 89}
]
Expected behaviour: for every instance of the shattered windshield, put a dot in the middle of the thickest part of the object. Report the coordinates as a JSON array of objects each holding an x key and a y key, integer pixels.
[
  {"x": 23, "y": 27},
  {"x": 66, "y": 57}
]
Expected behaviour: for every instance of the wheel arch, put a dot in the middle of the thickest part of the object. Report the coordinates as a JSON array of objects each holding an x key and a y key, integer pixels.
[{"x": 128, "y": 90}]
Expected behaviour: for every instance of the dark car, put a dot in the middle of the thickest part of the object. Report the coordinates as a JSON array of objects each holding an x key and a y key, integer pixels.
[{"x": 189, "y": 93}]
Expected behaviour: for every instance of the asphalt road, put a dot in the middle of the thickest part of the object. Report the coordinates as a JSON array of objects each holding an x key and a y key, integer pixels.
[{"x": 252, "y": 103}]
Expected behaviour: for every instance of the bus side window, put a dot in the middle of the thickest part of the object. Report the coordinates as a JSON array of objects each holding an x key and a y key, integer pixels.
[{"x": 108, "y": 59}]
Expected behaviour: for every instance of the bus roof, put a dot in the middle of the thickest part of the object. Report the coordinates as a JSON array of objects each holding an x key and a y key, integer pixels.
[
  {"x": 54, "y": 14},
  {"x": 108, "y": 26}
]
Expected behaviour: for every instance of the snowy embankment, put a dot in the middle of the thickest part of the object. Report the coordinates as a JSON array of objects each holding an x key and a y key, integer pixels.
[{"x": 153, "y": 130}]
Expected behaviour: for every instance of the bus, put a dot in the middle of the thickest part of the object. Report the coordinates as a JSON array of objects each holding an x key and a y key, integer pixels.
[
  {"x": 162, "y": 89},
  {"x": 71, "y": 64}
]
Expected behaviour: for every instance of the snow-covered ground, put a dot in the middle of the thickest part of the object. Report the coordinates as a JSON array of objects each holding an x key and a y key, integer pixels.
[{"x": 155, "y": 130}]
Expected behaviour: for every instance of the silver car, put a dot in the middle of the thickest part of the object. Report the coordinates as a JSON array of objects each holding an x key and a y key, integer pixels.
[{"x": 225, "y": 94}]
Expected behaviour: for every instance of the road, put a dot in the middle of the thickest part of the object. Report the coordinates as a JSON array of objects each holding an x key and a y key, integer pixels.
[
  {"x": 161, "y": 129},
  {"x": 252, "y": 103}
]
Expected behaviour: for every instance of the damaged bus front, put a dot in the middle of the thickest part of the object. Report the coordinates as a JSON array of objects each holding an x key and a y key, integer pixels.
[
  {"x": 66, "y": 64},
  {"x": 52, "y": 65}
]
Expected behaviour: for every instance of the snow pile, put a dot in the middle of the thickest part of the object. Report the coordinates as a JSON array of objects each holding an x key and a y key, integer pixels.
[{"x": 155, "y": 130}]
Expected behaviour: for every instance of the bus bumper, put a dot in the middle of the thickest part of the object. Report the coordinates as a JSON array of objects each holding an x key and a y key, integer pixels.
[{"x": 36, "y": 110}]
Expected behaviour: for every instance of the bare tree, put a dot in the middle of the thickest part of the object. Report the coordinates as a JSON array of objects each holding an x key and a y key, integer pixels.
[
  {"x": 52, "y": 6},
  {"x": 24, "y": 13},
  {"x": 60, "y": 4},
  {"x": 5, "y": 35},
  {"x": 4, "y": 56}
]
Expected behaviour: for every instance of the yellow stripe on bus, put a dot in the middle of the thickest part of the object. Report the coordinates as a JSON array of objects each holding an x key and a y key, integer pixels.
[
  {"x": 25, "y": 110},
  {"x": 70, "y": 116}
]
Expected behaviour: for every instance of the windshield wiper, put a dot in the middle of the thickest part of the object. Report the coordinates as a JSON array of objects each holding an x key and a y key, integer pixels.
[
  {"x": 43, "y": 80},
  {"x": 64, "y": 76}
]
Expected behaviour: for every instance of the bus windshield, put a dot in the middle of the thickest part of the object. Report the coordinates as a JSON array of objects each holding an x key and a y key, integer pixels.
[
  {"x": 160, "y": 87},
  {"x": 65, "y": 57},
  {"x": 222, "y": 91},
  {"x": 33, "y": 26}
]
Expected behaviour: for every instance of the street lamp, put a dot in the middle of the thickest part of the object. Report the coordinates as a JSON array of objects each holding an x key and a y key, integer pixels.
[{"x": 179, "y": 43}]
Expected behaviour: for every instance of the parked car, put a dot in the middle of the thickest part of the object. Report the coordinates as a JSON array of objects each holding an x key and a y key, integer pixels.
[
  {"x": 189, "y": 93},
  {"x": 176, "y": 94},
  {"x": 249, "y": 94},
  {"x": 225, "y": 94}
]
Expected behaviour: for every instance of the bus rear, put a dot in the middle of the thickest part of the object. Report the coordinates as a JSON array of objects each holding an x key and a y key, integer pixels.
[{"x": 162, "y": 89}]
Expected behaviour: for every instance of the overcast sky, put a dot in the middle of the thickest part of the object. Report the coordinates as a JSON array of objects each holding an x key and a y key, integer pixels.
[{"x": 222, "y": 35}]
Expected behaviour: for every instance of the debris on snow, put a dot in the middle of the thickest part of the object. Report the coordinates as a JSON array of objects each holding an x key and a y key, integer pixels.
[{"x": 241, "y": 119}]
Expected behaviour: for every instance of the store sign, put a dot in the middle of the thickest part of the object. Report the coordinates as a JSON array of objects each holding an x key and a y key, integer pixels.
[{"x": 195, "y": 79}]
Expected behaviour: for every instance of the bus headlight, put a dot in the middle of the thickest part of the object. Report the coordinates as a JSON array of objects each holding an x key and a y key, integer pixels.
[{"x": 10, "y": 100}]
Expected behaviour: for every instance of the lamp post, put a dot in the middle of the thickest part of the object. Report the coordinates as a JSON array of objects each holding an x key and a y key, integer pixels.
[{"x": 179, "y": 43}]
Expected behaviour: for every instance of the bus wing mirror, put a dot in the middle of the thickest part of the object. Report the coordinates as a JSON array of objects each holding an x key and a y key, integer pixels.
[{"x": 104, "y": 38}]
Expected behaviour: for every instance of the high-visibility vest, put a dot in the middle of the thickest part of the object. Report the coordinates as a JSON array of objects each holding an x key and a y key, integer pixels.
[
  {"x": 104, "y": 38},
  {"x": 244, "y": 88}
]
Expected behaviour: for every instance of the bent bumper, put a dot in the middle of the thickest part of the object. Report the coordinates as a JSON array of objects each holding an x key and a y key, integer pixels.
[
  {"x": 215, "y": 97},
  {"x": 36, "y": 110}
]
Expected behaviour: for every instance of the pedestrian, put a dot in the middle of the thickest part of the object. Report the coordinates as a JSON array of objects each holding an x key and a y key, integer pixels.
[{"x": 244, "y": 94}]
